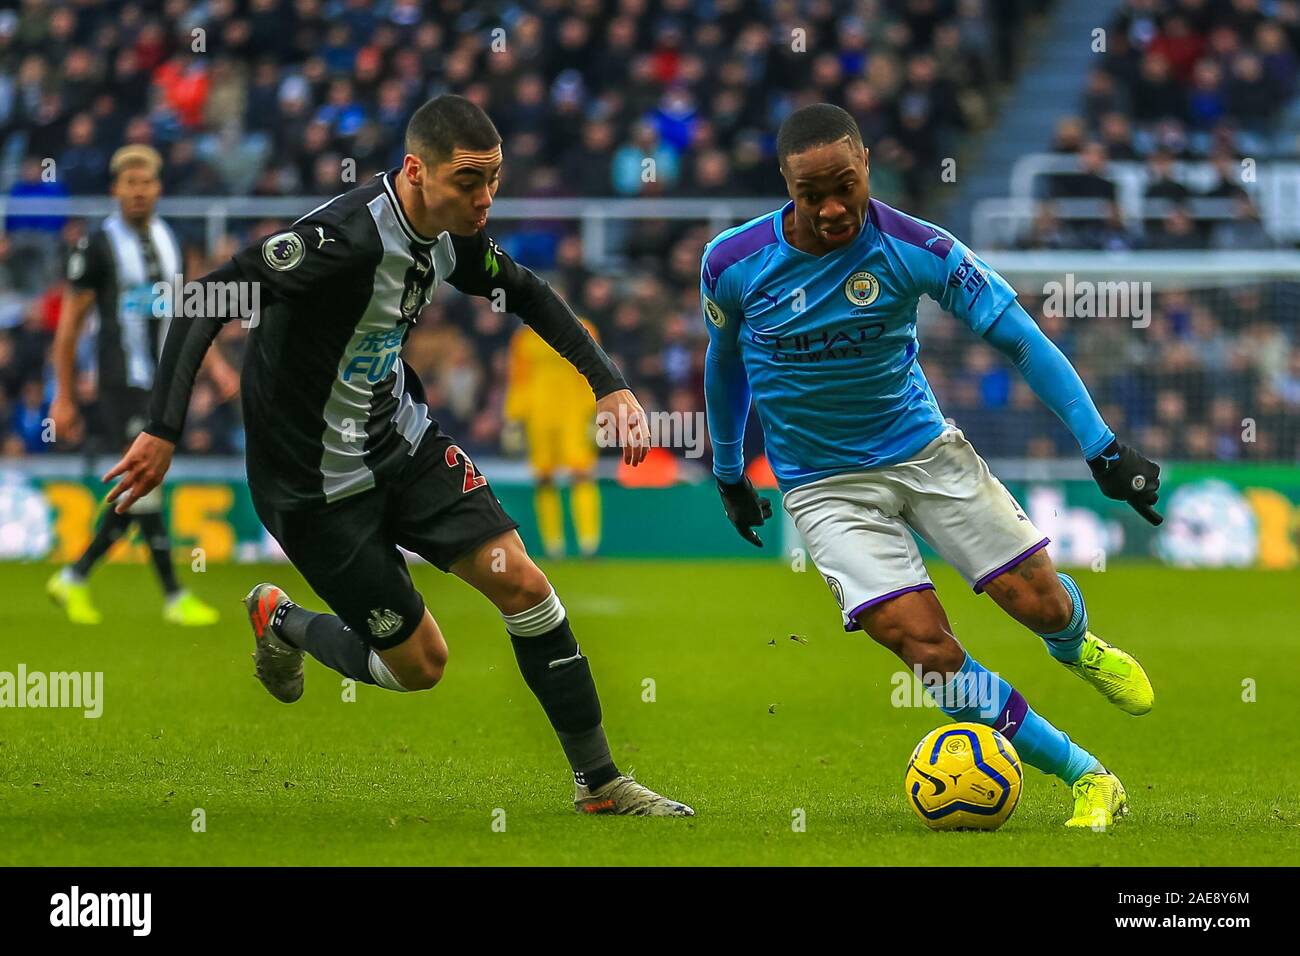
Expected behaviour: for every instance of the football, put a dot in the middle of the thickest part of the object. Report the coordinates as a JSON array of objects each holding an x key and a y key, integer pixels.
[{"x": 963, "y": 777}]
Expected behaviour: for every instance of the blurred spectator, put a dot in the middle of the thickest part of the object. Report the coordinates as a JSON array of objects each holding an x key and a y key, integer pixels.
[
  {"x": 1160, "y": 179},
  {"x": 38, "y": 179},
  {"x": 27, "y": 420},
  {"x": 1090, "y": 182},
  {"x": 1228, "y": 170},
  {"x": 1243, "y": 231},
  {"x": 1047, "y": 232},
  {"x": 1156, "y": 94},
  {"x": 1117, "y": 137},
  {"x": 1177, "y": 231},
  {"x": 83, "y": 165},
  {"x": 644, "y": 165},
  {"x": 1110, "y": 234}
]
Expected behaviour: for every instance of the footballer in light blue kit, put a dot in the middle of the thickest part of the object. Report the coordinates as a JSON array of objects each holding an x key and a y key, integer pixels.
[{"x": 811, "y": 313}]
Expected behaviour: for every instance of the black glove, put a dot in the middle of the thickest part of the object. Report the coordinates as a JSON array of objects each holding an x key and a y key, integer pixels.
[
  {"x": 745, "y": 509},
  {"x": 1124, "y": 475}
]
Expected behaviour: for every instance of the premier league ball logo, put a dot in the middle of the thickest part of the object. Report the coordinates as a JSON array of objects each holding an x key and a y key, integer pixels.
[
  {"x": 714, "y": 314},
  {"x": 283, "y": 251},
  {"x": 862, "y": 288}
]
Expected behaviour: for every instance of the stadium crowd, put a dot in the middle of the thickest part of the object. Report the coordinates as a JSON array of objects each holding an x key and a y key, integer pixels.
[
  {"x": 1180, "y": 82},
  {"x": 284, "y": 93},
  {"x": 281, "y": 92}
]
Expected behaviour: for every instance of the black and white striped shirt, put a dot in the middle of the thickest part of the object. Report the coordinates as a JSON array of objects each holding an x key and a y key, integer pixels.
[
  {"x": 121, "y": 265},
  {"x": 330, "y": 407}
]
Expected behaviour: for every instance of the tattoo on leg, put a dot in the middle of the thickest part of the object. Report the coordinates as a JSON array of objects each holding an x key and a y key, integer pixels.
[{"x": 1036, "y": 562}]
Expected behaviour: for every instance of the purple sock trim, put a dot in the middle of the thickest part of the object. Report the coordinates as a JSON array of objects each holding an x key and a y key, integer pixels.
[
  {"x": 979, "y": 585},
  {"x": 1012, "y": 717},
  {"x": 853, "y": 625}
]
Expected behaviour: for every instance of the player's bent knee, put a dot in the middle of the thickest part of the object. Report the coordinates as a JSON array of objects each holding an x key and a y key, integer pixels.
[
  {"x": 523, "y": 590},
  {"x": 890, "y": 638},
  {"x": 891, "y": 625},
  {"x": 424, "y": 677},
  {"x": 417, "y": 663},
  {"x": 937, "y": 654},
  {"x": 504, "y": 573},
  {"x": 421, "y": 672},
  {"x": 534, "y": 588},
  {"x": 433, "y": 663}
]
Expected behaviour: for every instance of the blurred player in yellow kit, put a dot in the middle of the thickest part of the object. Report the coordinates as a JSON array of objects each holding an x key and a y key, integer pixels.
[{"x": 550, "y": 401}]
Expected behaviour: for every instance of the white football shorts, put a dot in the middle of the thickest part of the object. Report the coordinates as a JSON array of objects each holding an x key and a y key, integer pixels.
[{"x": 856, "y": 525}]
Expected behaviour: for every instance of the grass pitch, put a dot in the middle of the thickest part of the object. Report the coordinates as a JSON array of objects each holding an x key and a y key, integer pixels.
[{"x": 747, "y": 725}]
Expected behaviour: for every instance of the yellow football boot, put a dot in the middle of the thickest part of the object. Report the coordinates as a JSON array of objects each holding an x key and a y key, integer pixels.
[
  {"x": 188, "y": 611},
  {"x": 1099, "y": 800},
  {"x": 1116, "y": 674},
  {"x": 74, "y": 597}
]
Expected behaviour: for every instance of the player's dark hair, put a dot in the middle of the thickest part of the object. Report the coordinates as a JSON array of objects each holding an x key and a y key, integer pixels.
[
  {"x": 446, "y": 122},
  {"x": 819, "y": 124}
]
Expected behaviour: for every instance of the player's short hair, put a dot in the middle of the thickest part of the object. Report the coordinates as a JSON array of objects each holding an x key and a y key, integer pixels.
[
  {"x": 819, "y": 124},
  {"x": 446, "y": 122},
  {"x": 133, "y": 155}
]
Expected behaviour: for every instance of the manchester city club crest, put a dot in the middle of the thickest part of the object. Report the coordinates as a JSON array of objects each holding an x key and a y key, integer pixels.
[
  {"x": 283, "y": 251},
  {"x": 836, "y": 590},
  {"x": 862, "y": 288}
]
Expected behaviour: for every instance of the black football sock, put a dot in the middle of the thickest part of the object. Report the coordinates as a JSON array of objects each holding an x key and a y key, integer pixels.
[
  {"x": 160, "y": 550},
  {"x": 111, "y": 527},
  {"x": 560, "y": 677},
  {"x": 326, "y": 638}
]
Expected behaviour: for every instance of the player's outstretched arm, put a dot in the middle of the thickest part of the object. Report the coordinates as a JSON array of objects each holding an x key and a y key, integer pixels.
[
  {"x": 1121, "y": 472},
  {"x": 726, "y": 407},
  {"x": 483, "y": 269},
  {"x": 963, "y": 284},
  {"x": 306, "y": 261},
  {"x": 726, "y": 401},
  {"x": 184, "y": 351}
]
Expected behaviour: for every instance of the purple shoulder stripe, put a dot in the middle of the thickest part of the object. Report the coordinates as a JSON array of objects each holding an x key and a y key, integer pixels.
[
  {"x": 734, "y": 248},
  {"x": 894, "y": 223}
]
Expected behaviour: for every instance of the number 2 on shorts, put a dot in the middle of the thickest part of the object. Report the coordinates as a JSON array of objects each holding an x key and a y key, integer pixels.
[{"x": 472, "y": 478}]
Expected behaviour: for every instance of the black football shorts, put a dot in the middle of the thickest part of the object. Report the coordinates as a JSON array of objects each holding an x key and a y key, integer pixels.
[{"x": 437, "y": 506}]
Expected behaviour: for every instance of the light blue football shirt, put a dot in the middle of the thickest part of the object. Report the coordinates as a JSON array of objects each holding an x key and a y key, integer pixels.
[{"x": 829, "y": 342}]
